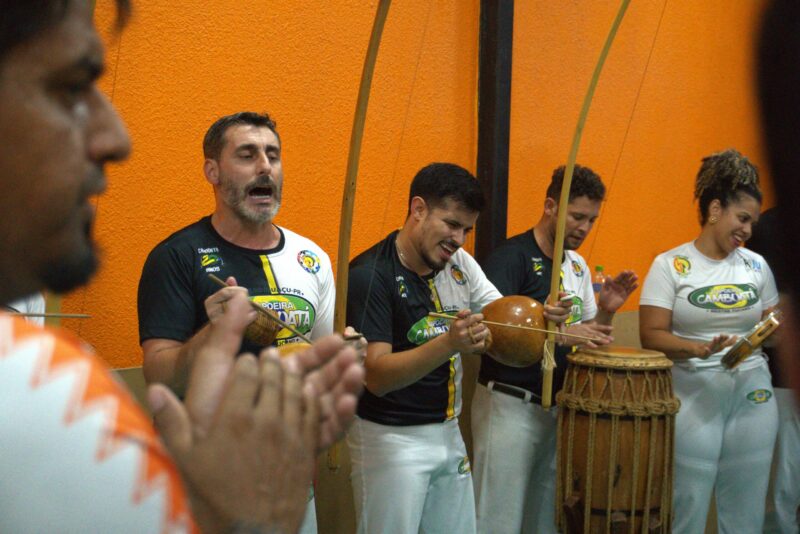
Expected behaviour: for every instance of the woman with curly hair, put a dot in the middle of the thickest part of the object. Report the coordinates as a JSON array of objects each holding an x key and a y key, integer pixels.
[{"x": 697, "y": 300}]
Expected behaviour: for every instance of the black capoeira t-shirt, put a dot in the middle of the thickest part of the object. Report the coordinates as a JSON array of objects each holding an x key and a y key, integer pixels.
[
  {"x": 388, "y": 303},
  {"x": 294, "y": 279},
  {"x": 519, "y": 267}
]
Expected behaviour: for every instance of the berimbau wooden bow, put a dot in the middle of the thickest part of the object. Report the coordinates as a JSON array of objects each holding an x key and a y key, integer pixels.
[
  {"x": 548, "y": 361},
  {"x": 349, "y": 194}
]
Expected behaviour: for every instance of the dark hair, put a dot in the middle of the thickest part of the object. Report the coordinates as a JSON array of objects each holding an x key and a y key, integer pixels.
[
  {"x": 585, "y": 183},
  {"x": 778, "y": 82},
  {"x": 725, "y": 176},
  {"x": 214, "y": 140},
  {"x": 438, "y": 182},
  {"x": 21, "y": 21}
]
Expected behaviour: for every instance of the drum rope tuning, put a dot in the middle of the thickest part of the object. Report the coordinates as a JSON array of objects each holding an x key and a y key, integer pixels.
[{"x": 615, "y": 442}]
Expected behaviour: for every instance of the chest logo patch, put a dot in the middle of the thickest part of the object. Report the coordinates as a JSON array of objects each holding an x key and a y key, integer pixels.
[
  {"x": 211, "y": 262},
  {"x": 682, "y": 265},
  {"x": 458, "y": 275},
  {"x": 308, "y": 261},
  {"x": 724, "y": 296},
  {"x": 759, "y": 396},
  {"x": 538, "y": 266},
  {"x": 426, "y": 329},
  {"x": 463, "y": 466},
  {"x": 402, "y": 288},
  {"x": 291, "y": 309},
  {"x": 577, "y": 268}
]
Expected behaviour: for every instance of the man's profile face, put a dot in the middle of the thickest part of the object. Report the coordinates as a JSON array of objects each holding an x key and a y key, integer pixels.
[
  {"x": 443, "y": 230},
  {"x": 250, "y": 171},
  {"x": 57, "y": 130},
  {"x": 582, "y": 212}
]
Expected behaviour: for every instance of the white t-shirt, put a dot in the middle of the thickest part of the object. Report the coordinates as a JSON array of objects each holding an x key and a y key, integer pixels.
[
  {"x": 711, "y": 297},
  {"x": 78, "y": 454}
]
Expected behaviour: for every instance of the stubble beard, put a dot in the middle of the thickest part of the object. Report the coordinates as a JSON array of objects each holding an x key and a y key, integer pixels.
[
  {"x": 236, "y": 198},
  {"x": 65, "y": 274}
]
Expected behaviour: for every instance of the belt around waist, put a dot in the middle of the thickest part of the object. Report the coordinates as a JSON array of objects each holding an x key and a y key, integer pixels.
[{"x": 508, "y": 389}]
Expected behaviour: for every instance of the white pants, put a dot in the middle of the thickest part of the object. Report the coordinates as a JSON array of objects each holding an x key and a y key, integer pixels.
[
  {"x": 410, "y": 479},
  {"x": 724, "y": 437},
  {"x": 783, "y": 510},
  {"x": 515, "y": 464}
]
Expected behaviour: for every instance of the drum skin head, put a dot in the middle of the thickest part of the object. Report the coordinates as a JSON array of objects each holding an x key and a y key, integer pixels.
[{"x": 619, "y": 357}]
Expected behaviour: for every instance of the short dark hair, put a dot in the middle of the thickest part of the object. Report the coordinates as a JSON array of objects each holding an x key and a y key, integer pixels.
[
  {"x": 20, "y": 21},
  {"x": 725, "y": 176},
  {"x": 214, "y": 140},
  {"x": 438, "y": 182},
  {"x": 585, "y": 183},
  {"x": 778, "y": 82}
]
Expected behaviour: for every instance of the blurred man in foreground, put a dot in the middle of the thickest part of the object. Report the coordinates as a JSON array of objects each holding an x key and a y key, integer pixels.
[{"x": 78, "y": 454}]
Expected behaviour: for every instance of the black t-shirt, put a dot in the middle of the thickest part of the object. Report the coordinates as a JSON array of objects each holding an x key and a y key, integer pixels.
[
  {"x": 390, "y": 304},
  {"x": 294, "y": 279},
  {"x": 519, "y": 267},
  {"x": 764, "y": 241}
]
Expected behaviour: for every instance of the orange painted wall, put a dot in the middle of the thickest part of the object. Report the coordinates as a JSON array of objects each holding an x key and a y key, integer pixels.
[{"x": 177, "y": 68}]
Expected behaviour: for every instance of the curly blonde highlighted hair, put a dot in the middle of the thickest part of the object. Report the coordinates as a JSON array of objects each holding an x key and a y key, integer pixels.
[{"x": 724, "y": 176}]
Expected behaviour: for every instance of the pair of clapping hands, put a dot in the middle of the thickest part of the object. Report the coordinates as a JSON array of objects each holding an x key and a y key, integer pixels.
[
  {"x": 247, "y": 435},
  {"x": 613, "y": 294}
]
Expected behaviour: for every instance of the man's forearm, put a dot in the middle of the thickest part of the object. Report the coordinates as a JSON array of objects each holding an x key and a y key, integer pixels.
[
  {"x": 603, "y": 317},
  {"x": 392, "y": 371},
  {"x": 170, "y": 364}
]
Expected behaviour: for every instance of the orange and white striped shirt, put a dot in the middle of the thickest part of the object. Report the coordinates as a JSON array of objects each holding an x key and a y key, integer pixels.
[{"x": 77, "y": 454}]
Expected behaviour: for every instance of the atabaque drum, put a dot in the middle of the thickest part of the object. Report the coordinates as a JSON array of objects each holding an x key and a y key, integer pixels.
[
  {"x": 616, "y": 424},
  {"x": 516, "y": 347}
]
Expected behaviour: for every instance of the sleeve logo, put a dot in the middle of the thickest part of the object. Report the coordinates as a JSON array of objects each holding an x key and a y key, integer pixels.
[
  {"x": 458, "y": 275},
  {"x": 308, "y": 261}
]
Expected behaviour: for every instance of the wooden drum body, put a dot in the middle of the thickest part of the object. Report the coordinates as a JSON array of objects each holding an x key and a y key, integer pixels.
[{"x": 616, "y": 423}]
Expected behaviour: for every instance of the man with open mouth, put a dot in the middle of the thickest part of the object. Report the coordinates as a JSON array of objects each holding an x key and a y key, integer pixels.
[
  {"x": 282, "y": 271},
  {"x": 410, "y": 467}
]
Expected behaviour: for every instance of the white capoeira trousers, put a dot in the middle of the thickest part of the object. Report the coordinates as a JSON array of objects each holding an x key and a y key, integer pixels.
[
  {"x": 410, "y": 479},
  {"x": 724, "y": 438},
  {"x": 783, "y": 511},
  {"x": 515, "y": 464}
]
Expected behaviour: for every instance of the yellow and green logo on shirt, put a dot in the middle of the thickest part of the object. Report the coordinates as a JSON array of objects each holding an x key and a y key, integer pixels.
[
  {"x": 426, "y": 329},
  {"x": 291, "y": 309},
  {"x": 724, "y": 296}
]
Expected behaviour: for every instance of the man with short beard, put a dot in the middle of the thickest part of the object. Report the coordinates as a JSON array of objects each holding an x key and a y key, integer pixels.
[
  {"x": 514, "y": 438},
  {"x": 281, "y": 270},
  {"x": 410, "y": 467}
]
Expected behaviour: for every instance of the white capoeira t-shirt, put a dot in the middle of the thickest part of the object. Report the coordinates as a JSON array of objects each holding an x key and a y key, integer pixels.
[
  {"x": 711, "y": 297},
  {"x": 78, "y": 454}
]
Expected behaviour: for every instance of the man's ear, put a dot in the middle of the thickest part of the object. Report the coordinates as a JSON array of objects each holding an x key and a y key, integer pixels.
[
  {"x": 211, "y": 170},
  {"x": 419, "y": 208},
  {"x": 550, "y": 207}
]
